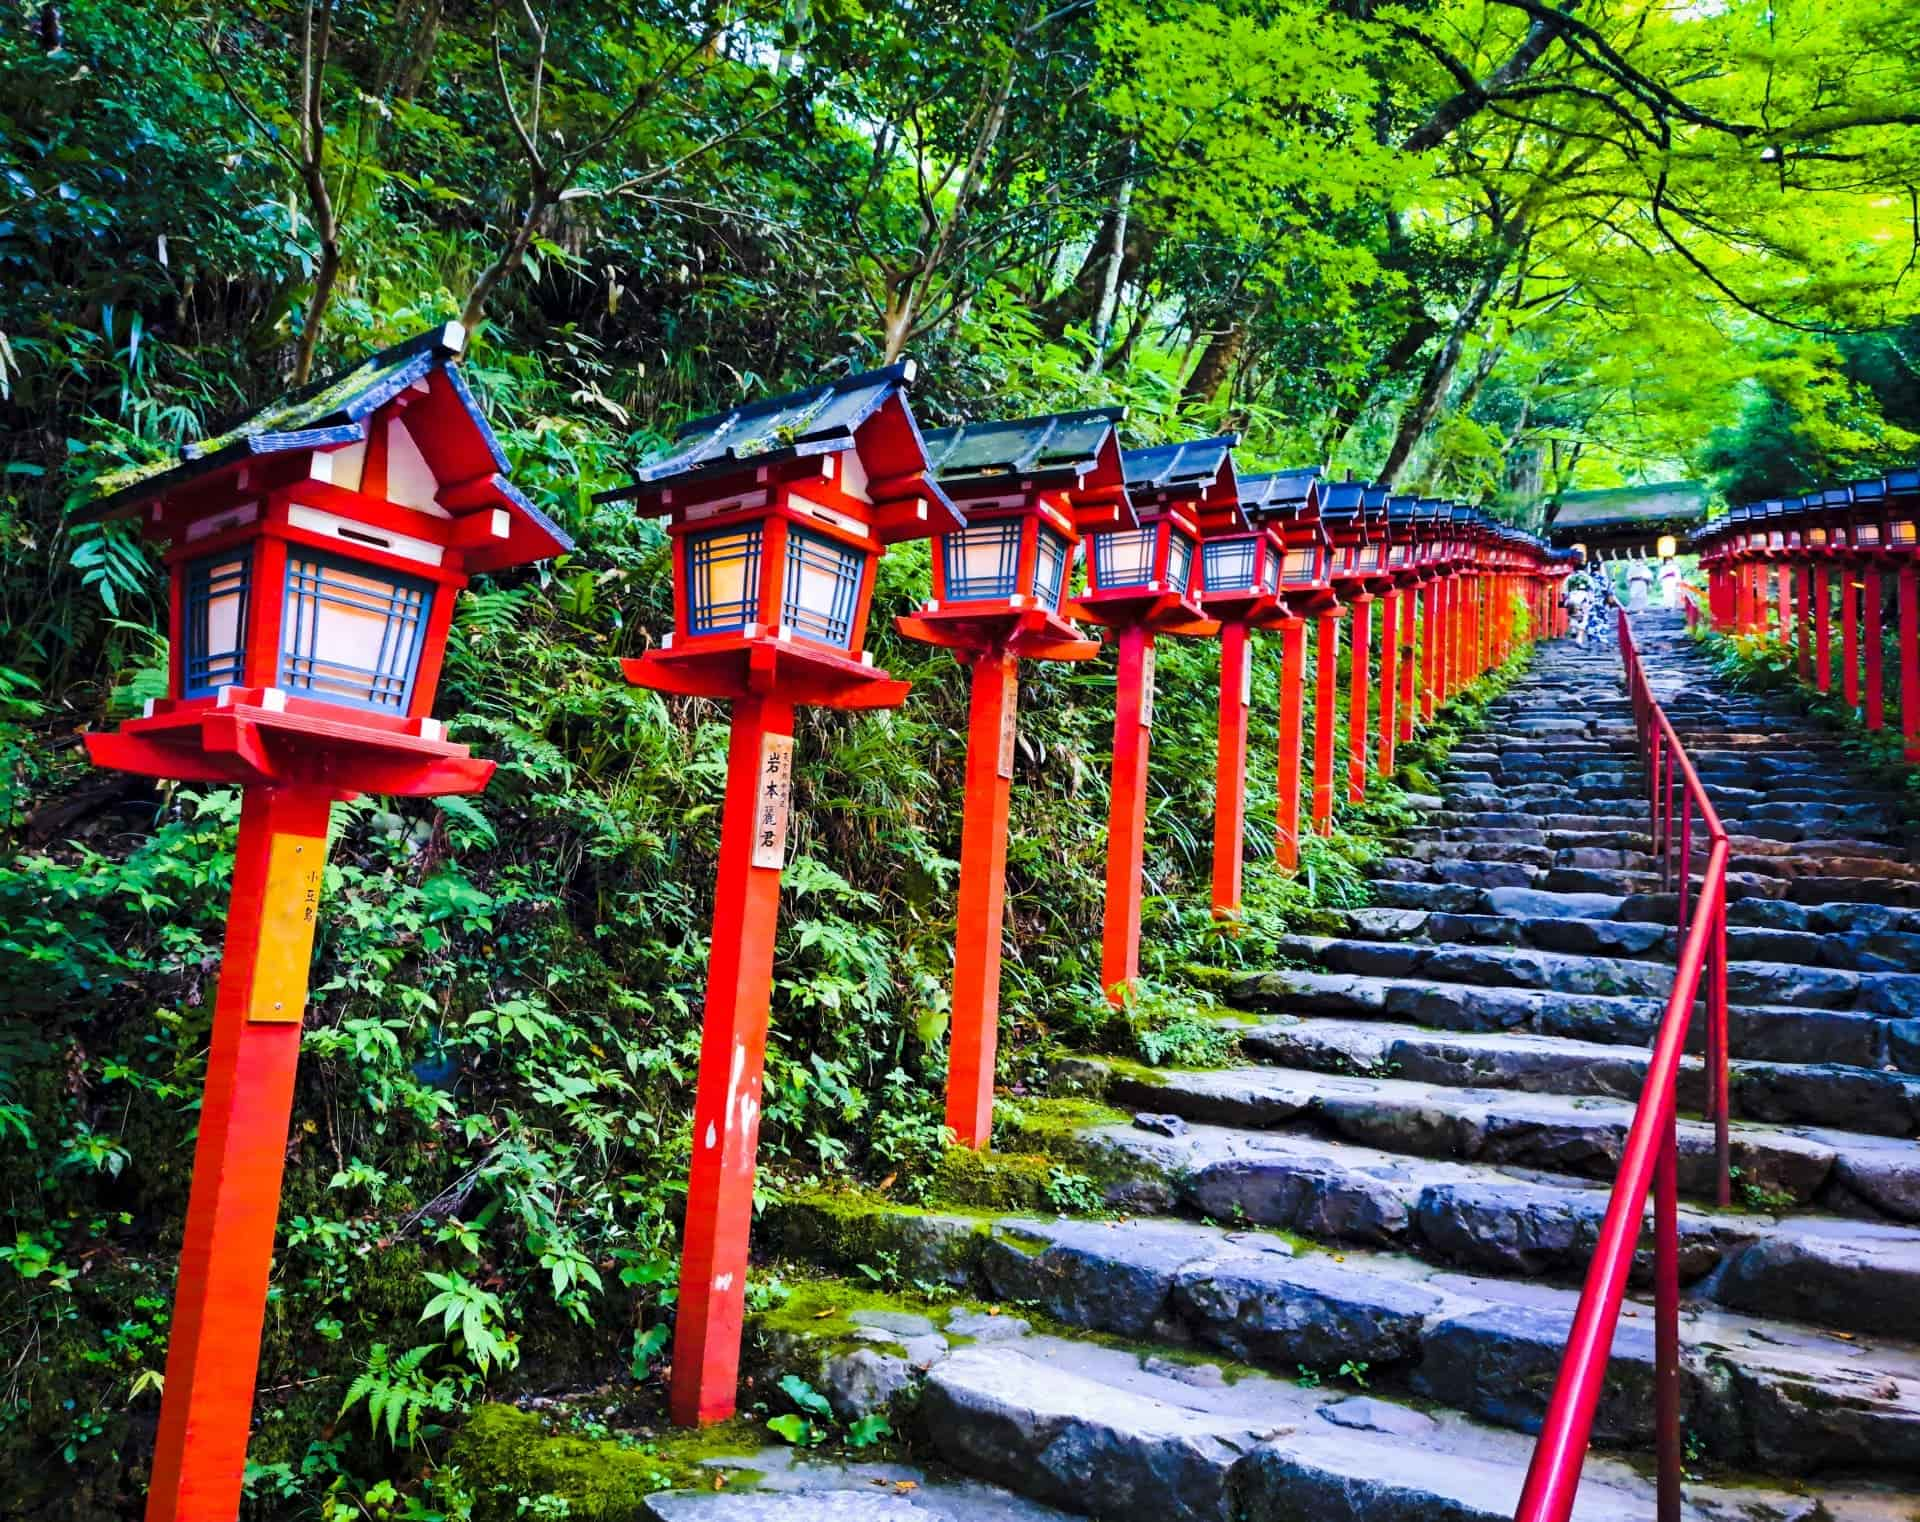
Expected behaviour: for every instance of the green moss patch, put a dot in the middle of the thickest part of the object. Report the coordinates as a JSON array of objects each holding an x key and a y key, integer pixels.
[{"x": 505, "y": 1454}]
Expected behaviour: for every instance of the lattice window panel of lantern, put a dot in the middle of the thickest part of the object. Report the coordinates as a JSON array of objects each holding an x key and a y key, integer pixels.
[
  {"x": 1230, "y": 564},
  {"x": 983, "y": 561},
  {"x": 1123, "y": 558},
  {"x": 1051, "y": 558},
  {"x": 350, "y": 633},
  {"x": 1180, "y": 562},
  {"x": 218, "y": 591},
  {"x": 822, "y": 587},
  {"x": 723, "y": 580}
]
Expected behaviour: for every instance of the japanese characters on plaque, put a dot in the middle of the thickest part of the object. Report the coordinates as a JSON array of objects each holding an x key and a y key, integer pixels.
[
  {"x": 289, "y": 914},
  {"x": 1146, "y": 689},
  {"x": 774, "y": 801}
]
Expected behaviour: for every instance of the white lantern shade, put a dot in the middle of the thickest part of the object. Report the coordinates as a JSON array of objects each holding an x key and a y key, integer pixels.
[
  {"x": 723, "y": 580},
  {"x": 1123, "y": 557},
  {"x": 821, "y": 588},
  {"x": 215, "y": 616},
  {"x": 351, "y": 632}
]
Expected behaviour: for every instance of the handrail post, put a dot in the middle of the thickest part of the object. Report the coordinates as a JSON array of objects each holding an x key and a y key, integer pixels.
[
  {"x": 1717, "y": 1050},
  {"x": 1666, "y": 1306}
]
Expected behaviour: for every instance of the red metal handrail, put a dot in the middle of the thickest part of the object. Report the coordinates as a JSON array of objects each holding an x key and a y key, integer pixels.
[{"x": 1650, "y": 1159}]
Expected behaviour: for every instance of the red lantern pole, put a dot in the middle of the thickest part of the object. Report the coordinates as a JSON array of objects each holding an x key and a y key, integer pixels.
[
  {"x": 1822, "y": 625},
  {"x": 1784, "y": 611},
  {"x": 1357, "y": 700},
  {"x": 1293, "y": 687},
  {"x": 1803, "y": 641},
  {"x": 733, "y": 1046},
  {"x": 1389, "y": 678},
  {"x": 1909, "y": 594},
  {"x": 1849, "y": 636},
  {"x": 983, "y": 884},
  {"x": 1127, "y": 810},
  {"x": 1431, "y": 596},
  {"x": 1326, "y": 661},
  {"x": 213, "y": 1349},
  {"x": 1410, "y": 600},
  {"x": 1871, "y": 634},
  {"x": 1230, "y": 768}
]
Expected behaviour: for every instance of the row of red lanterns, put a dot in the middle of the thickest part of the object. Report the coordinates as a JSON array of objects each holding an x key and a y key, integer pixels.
[
  {"x": 1802, "y": 551},
  {"x": 315, "y": 552}
]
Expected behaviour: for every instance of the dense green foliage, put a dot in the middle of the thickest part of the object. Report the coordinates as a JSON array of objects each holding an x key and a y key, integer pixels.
[{"x": 1491, "y": 247}]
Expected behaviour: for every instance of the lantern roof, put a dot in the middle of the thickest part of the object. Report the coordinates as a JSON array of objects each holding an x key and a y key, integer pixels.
[
  {"x": 1869, "y": 491},
  {"x": 1402, "y": 509},
  {"x": 417, "y": 384},
  {"x": 865, "y": 414},
  {"x": 1063, "y": 449},
  {"x": 1903, "y": 483},
  {"x": 1837, "y": 496},
  {"x": 1291, "y": 493}
]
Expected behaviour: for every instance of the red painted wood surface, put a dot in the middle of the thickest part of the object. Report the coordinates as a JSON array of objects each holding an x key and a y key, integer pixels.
[
  {"x": 1326, "y": 683},
  {"x": 1822, "y": 629},
  {"x": 1127, "y": 810},
  {"x": 1849, "y": 636},
  {"x": 1871, "y": 635},
  {"x": 1409, "y": 601},
  {"x": 1293, "y": 691},
  {"x": 1431, "y": 596},
  {"x": 726, "y": 1108},
  {"x": 213, "y": 1349},
  {"x": 1784, "y": 609},
  {"x": 1803, "y": 637},
  {"x": 1357, "y": 684},
  {"x": 974, "y": 1033},
  {"x": 1909, "y": 596},
  {"x": 1389, "y": 678},
  {"x": 1230, "y": 768}
]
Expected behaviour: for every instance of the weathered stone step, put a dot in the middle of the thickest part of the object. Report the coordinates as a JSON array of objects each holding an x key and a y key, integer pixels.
[
  {"x": 1792, "y": 1399},
  {"x": 1499, "y": 966},
  {"x": 1760, "y": 1032},
  {"x": 1578, "y": 1136},
  {"x": 1831, "y": 1271},
  {"x": 1859, "y": 951},
  {"x": 1819, "y": 1094}
]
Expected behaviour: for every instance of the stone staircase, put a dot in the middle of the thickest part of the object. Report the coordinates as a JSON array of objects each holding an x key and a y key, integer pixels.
[{"x": 1348, "y": 1264}]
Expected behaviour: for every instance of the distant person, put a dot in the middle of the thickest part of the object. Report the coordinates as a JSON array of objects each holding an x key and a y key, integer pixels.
[
  {"x": 1670, "y": 580},
  {"x": 1639, "y": 583}
]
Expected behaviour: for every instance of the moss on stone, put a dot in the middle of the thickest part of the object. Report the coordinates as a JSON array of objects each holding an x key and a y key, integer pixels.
[
  {"x": 504, "y": 1454},
  {"x": 992, "y": 1180}
]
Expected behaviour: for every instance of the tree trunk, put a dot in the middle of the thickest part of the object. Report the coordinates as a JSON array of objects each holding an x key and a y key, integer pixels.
[
  {"x": 1216, "y": 363},
  {"x": 1424, "y": 406},
  {"x": 1110, "y": 282},
  {"x": 1404, "y": 349}
]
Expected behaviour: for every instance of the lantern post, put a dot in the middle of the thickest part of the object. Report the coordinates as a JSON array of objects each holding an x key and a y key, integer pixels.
[
  {"x": 1029, "y": 490},
  {"x": 1245, "y": 559},
  {"x": 1900, "y": 507},
  {"x": 778, "y": 511},
  {"x": 1290, "y": 502},
  {"x": 1142, "y": 582},
  {"x": 316, "y": 549},
  {"x": 1870, "y": 544},
  {"x": 1342, "y": 515}
]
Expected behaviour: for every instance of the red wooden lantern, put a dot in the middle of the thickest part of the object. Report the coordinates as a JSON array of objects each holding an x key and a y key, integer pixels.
[
  {"x": 1433, "y": 529},
  {"x": 1242, "y": 556},
  {"x": 1029, "y": 489},
  {"x": 1143, "y": 581},
  {"x": 779, "y": 512},
  {"x": 316, "y": 548},
  {"x": 1287, "y": 504}
]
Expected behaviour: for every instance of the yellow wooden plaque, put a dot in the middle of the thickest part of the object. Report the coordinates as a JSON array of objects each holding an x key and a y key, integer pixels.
[
  {"x": 1009, "y": 729},
  {"x": 291, "y": 907},
  {"x": 775, "y": 802}
]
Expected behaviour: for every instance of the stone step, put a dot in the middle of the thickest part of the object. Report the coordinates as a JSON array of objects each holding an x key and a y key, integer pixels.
[
  {"x": 1861, "y": 951},
  {"x": 1820, "y": 1094},
  {"x": 1578, "y": 1136},
  {"x": 1831, "y": 1271},
  {"x": 1794, "y": 1400},
  {"x": 1497, "y": 966},
  {"x": 791, "y": 1485},
  {"x": 1758, "y": 1032}
]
